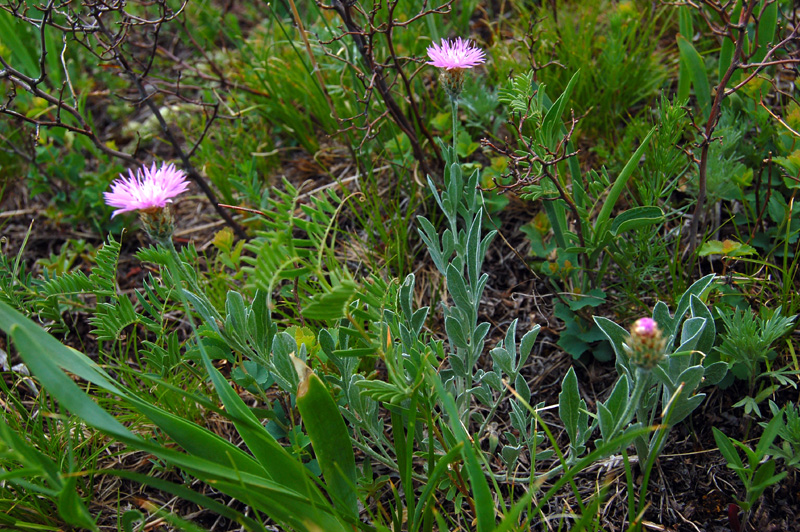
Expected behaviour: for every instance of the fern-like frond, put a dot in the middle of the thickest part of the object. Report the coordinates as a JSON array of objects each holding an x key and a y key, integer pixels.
[
  {"x": 65, "y": 285},
  {"x": 104, "y": 274},
  {"x": 522, "y": 95},
  {"x": 111, "y": 318},
  {"x": 297, "y": 239},
  {"x": 101, "y": 282},
  {"x": 15, "y": 287},
  {"x": 160, "y": 256}
]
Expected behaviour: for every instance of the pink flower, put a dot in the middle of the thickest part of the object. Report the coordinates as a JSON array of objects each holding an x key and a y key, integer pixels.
[
  {"x": 455, "y": 55},
  {"x": 645, "y": 327},
  {"x": 147, "y": 189}
]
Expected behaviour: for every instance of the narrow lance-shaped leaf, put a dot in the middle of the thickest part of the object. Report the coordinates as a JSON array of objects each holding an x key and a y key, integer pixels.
[
  {"x": 697, "y": 70},
  {"x": 726, "y": 51},
  {"x": 684, "y": 76},
  {"x": 621, "y": 182},
  {"x": 569, "y": 405},
  {"x": 767, "y": 24}
]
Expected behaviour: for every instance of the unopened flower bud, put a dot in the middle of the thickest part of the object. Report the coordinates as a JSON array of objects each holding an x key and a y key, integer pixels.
[
  {"x": 646, "y": 344},
  {"x": 157, "y": 222}
]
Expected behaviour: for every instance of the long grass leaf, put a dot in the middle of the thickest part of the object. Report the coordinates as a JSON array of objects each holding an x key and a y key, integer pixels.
[
  {"x": 767, "y": 25},
  {"x": 620, "y": 183},
  {"x": 697, "y": 70}
]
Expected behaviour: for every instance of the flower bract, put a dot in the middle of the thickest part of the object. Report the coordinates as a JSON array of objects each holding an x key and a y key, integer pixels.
[
  {"x": 147, "y": 189},
  {"x": 455, "y": 54}
]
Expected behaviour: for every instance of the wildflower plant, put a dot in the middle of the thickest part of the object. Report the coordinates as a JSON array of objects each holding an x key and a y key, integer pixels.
[
  {"x": 660, "y": 362},
  {"x": 454, "y": 58},
  {"x": 447, "y": 422},
  {"x": 789, "y": 432},
  {"x": 748, "y": 340},
  {"x": 149, "y": 191},
  {"x": 757, "y": 471},
  {"x": 459, "y": 253}
]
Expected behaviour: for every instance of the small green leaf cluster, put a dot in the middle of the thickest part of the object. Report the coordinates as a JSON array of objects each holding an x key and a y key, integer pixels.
[
  {"x": 758, "y": 472},
  {"x": 296, "y": 246},
  {"x": 748, "y": 339},
  {"x": 789, "y": 431}
]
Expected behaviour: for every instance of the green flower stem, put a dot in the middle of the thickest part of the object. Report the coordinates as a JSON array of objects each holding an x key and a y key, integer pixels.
[
  {"x": 454, "y": 107},
  {"x": 184, "y": 275}
]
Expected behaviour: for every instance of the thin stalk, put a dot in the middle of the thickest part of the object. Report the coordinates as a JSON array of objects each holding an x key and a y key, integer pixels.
[
  {"x": 454, "y": 107},
  {"x": 629, "y": 482},
  {"x": 184, "y": 275}
]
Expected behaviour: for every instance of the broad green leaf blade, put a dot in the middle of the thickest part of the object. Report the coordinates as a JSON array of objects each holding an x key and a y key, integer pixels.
[
  {"x": 636, "y": 218},
  {"x": 71, "y": 507},
  {"x": 458, "y": 289},
  {"x": 615, "y": 334},
  {"x": 728, "y": 248},
  {"x": 727, "y": 449},
  {"x": 770, "y": 433},
  {"x": 697, "y": 289},
  {"x": 329, "y": 437},
  {"x": 684, "y": 76},
  {"x": 306, "y": 510},
  {"x": 767, "y": 25},
  {"x": 728, "y": 46}
]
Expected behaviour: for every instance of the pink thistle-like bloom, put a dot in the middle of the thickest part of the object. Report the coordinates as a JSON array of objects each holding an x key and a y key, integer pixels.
[
  {"x": 148, "y": 190},
  {"x": 457, "y": 54}
]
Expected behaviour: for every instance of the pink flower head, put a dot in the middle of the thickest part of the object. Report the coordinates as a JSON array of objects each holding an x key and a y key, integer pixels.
[
  {"x": 646, "y": 344},
  {"x": 455, "y": 55},
  {"x": 645, "y": 327},
  {"x": 147, "y": 189}
]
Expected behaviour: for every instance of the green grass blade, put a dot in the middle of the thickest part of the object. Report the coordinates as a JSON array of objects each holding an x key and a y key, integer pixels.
[
  {"x": 697, "y": 71},
  {"x": 684, "y": 76},
  {"x": 186, "y": 494},
  {"x": 620, "y": 184},
  {"x": 767, "y": 25},
  {"x": 224, "y": 468}
]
